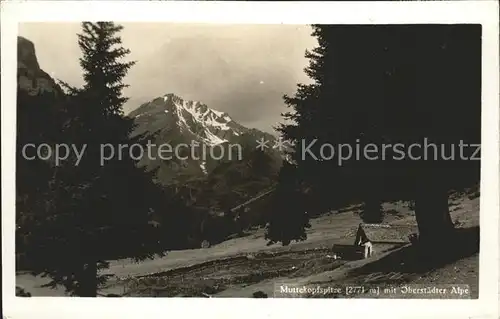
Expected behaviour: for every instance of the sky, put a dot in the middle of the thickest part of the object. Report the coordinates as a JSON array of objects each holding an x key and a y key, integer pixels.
[{"x": 243, "y": 70}]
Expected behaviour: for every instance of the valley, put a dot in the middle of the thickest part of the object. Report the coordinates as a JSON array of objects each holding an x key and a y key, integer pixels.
[{"x": 230, "y": 216}]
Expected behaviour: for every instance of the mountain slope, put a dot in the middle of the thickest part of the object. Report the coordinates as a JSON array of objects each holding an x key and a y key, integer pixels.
[{"x": 195, "y": 139}]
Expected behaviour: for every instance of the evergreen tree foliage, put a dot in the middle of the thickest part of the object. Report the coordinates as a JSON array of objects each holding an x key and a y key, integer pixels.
[
  {"x": 37, "y": 123},
  {"x": 288, "y": 219},
  {"x": 387, "y": 85},
  {"x": 96, "y": 211}
]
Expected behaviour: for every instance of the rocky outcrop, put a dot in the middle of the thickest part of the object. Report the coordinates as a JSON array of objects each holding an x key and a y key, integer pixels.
[{"x": 30, "y": 77}]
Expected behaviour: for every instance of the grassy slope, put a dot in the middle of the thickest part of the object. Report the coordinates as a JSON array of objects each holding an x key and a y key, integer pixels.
[
  {"x": 390, "y": 268},
  {"x": 336, "y": 227}
]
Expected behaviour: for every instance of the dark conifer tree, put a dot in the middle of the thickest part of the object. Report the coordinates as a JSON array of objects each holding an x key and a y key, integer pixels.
[
  {"x": 288, "y": 219},
  {"x": 388, "y": 85},
  {"x": 98, "y": 210},
  {"x": 37, "y": 123}
]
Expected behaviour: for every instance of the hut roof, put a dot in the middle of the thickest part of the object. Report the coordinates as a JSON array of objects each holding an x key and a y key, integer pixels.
[{"x": 388, "y": 233}]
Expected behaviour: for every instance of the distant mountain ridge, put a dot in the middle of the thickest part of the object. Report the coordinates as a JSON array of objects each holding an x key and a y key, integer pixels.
[
  {"x": 207, "y": 185},
  {"x": 211, "y": 126},
  {"x": 206, "y": 182},
  {"x": 174, "y": 121}
]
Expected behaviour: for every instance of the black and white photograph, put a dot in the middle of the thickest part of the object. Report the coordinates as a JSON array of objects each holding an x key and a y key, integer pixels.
[{"x": 251, "y": 160}]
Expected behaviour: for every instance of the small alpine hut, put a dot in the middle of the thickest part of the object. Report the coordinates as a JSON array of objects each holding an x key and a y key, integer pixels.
[{"x": 383, "y": 237}]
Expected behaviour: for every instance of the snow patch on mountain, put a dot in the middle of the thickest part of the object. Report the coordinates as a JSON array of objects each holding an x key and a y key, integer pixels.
[
  {"x": 216, "y": 123},
  {"x": 205, "y": 115},
  {"x": 220, "y": 114},
  {"x": 181, "y": 122},
  {"x": 212, "y": 139},
  {"x": 203, "y": 166},
  {"x": 207, "y": 118}
]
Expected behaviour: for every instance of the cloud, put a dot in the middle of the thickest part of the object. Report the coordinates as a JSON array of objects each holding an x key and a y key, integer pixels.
[{"x": 240, "y": 69}]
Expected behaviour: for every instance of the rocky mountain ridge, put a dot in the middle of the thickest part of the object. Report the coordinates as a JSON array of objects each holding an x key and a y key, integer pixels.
[
  {"x": 175, "y": 121},
  {"x": 30, "y": 77}
]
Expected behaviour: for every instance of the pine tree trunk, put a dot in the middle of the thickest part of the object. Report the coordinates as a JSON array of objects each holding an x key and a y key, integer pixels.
[
  {"x": 431, "y": 210},
  {"x": 372, "y": 212},
  {"x": 88, "y": 282}
]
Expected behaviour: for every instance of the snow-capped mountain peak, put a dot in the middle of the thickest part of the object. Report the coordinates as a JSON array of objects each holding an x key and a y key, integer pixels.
[
  {"x": 174, "y": 121},
  {"x": 200, "y": 112},
  {"x": 208, "y": 125}
]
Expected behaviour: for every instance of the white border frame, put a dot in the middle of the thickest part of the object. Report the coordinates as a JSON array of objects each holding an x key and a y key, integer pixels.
[{"x": 484, "y": 12}]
